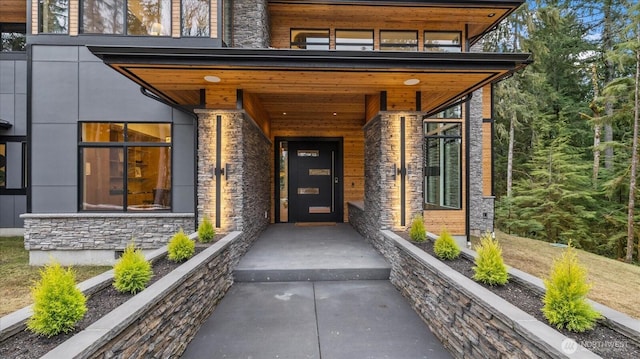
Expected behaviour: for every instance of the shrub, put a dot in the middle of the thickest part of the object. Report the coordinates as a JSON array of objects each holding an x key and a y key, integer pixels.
[
  {"x": 132, "y": 272},
  {"x": 565, "y": 303},
  {"x": 490, "y": 268},
  {"x": 180, "y": 247},
  {"x": 58, "y": 303},
  {"x": 417, "y": 232},
  {"x": 206, "y": 232},
  {"x": 446, "y": 247}
]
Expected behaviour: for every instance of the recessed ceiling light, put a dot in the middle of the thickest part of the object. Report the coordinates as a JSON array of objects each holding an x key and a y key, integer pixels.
[
  {"x": 211, "y": 78},
  {"x": 284, "y": 113},
  {"x": 411, "y": 82},
  {"x": 335, "y": 114},
  {"x": 492, "y": 14}
]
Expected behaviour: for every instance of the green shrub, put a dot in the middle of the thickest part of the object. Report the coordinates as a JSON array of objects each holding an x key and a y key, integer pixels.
[
  {"x": 417, "y": 232},
  {"x": 206, "y": 232},
  {"x": 565, "y": 303},
  {"x": 446, "y": 247},
  {"x": 132, "y": 271},
  {"x": 180, "y": 247},
  {"x": 490, "y": 268},
  {"x": 58, "y": 303}
]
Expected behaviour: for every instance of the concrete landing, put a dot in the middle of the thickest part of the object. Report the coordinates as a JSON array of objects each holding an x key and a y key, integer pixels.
[
  {"x": 328, "y": 320},
  {"x": 285, "y": 252}
]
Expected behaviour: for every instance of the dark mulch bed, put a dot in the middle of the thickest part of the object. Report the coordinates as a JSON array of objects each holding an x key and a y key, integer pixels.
[
  {"x": 602, "y": 340},
  {"x": 27, "y": 345}
]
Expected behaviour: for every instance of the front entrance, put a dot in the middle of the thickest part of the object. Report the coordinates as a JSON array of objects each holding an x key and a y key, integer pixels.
[{"x": 309, "y": 176}]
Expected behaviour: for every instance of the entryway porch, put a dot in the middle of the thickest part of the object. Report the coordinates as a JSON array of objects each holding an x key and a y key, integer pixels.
[{"x": 313, "y": 292}]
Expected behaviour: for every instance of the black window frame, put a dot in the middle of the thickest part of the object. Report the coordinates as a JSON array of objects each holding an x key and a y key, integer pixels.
[
  {"x": 125, "y": 23},
  {"x": 22, "y": 190},
  {"x": 426, "y": 46},
  {"x": 427, "y": 169},
  {"x": 300, "y": 44},
  {"x": 372, "y": 44},
  {"x": 414, "y": 47},
  {"x": 124, "y": 145}
]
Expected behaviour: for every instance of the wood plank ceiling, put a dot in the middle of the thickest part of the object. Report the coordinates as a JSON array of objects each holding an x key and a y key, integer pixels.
[{"x": 13, "y": 11}]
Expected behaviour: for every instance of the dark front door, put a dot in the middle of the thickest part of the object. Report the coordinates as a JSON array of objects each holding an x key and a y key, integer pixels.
[{"x": 315, "y": 184}]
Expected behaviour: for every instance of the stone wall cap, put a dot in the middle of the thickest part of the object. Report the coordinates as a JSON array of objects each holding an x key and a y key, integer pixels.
[
  {"x": 357, "y": 204},
  {"x": 106, "y": 215}
]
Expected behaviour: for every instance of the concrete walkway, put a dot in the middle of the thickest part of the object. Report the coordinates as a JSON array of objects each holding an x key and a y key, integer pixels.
[{"x": 297, "y": 308}]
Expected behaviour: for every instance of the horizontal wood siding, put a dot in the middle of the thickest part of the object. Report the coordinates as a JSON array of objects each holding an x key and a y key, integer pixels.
[
  {"x": 74, "y": 17},
  {"x": 13, "y": 11},
  {"x": 486, "y": 102},
  {"x": 452, "y": 220},
  {"x": 353, "y": 150},
  {"x": 214, "y": 19},
  {"x": 34, "y": 16},
  {"x": 372, "y": 106},
  {"x": 176, "y": 15}
]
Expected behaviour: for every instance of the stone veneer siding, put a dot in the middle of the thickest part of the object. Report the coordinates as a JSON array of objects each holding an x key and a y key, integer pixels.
[
  {"x": 251, "y": 24},
  {"x": 470, "y": 321},
  {"x": 160, "y": 321},
  {"x": 382, "y": 151},
  {"x": 102, "y": 231},
  {"x": 245, "y": 187}
]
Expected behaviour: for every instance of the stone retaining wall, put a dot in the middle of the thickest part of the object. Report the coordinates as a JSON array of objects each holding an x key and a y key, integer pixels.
[
  {"x": 469, "y": 320},
  {"x": 64, "y": 236},
  {"x": 160, "y": 321}
]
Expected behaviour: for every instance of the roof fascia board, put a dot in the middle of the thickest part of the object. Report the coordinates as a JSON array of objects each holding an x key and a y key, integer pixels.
[
  {"x": 438, "y": 3},
  {"x": 309, "y": 59}
]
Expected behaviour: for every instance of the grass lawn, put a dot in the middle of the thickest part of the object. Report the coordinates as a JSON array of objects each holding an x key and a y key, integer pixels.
[
  {"x": 615, "y": 283},
  {"x": 18, "y": 276}
]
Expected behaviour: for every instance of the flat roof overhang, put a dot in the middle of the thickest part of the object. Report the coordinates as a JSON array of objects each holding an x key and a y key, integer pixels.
[{"x": 283, "y": 79}]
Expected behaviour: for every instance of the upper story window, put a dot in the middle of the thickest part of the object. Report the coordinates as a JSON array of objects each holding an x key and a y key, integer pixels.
[
  {"x": 125, "y": 166},
  {"x": 13, "y": 37},
  {"x": 310, "y": 39},
  {"x": 195, "y": 18},
  {"x": 53, "y": 16},
  {"x": 357, "y": 40},
  {"x": 143, "y": 17},
  {"x": 398, "y": 40},
  {"x": 453, "y": 112},
  {"x": 441, "y": 41}
]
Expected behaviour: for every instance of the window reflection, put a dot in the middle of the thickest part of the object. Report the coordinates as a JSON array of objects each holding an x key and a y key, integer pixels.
[
  {"x": 53, "y": 16},
  {"x": 103, "y": 16},
  {"x": 396, "y": 40},
  {"x": 12, "y": 37},
  {"x": 441, "y": 41},
  {"x": 143, "y": 17},
  {"x": 195, "y": 17},
  {"x": 310, "y": 39},
  {"x": 443, "y": 165},
  {"x": 358, "y": 40}
]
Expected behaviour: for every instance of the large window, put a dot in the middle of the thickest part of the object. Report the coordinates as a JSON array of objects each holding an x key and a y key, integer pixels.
[
  {"x": 125, "y": 166},
  {"x": 443, "y": 165},
  {"x": 396, "y": 40},
  {"x": 13, "y": 165},
  {"x": 310, "y": 39},
  {"x": 53, "y": 16},
  {"x": 195, "y": 17},
  {"x": 143, "y": 17},
  {"x": 442, "y": 41},
  {"x": 12, "y": 37},
  {"x": 357, "y": 40}
]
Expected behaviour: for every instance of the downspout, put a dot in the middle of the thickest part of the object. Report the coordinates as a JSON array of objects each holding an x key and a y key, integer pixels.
[{"x": 191, "y": 114}]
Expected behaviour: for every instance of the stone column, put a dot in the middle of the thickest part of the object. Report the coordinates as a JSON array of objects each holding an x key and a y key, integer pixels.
[
  {"x": 382, "y": 160},
  {"x": 251, "y": 24}
]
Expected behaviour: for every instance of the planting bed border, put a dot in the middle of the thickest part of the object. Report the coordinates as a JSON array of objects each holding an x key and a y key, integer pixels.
[
  {"x": 162, "y": 319},
  {"x": 469, "y": 320}
]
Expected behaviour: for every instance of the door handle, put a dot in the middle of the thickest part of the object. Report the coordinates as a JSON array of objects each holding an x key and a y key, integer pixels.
[{"x": 335, "y": 180}]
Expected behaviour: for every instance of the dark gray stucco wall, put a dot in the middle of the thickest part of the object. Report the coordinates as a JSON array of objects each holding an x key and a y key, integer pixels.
[
  {"x": 13, "y": 109},
  {"x": 70, "y": 85}
]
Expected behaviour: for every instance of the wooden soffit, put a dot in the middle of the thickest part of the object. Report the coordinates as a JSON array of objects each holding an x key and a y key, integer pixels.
[{"x": 280, "y": 77}]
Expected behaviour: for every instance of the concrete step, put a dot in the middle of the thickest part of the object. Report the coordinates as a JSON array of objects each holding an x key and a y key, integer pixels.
[{"x": 310, "y": 274}]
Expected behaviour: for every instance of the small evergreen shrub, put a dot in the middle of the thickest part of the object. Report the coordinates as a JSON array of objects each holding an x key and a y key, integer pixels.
[
  {"x": 132, "y": 271},
  {"x": 180, "y": 247},
  {"x": 490, "y": 268},
  {"x": 206, "y": 232},
  {"x": 446, "y": 247},
  {"x": 565, "y": 304},
  {"x": 58, "y": 303},
  {"x": 417, "y": 232}
]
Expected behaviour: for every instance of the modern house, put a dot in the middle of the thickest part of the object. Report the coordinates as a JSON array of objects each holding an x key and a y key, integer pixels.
[{"x": 134, "y": 118}]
